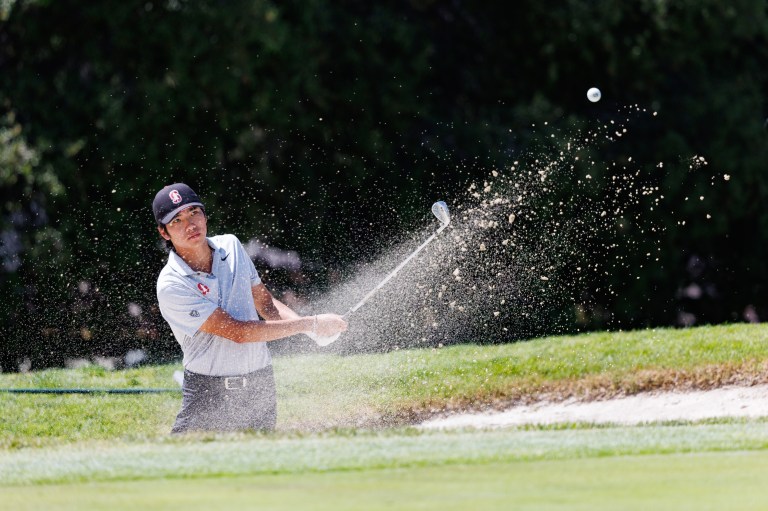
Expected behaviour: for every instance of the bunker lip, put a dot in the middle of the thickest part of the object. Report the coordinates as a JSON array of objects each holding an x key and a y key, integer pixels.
[{"x": 599, "y": 388}]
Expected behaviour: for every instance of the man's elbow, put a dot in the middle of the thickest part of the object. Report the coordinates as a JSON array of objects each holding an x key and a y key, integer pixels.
[
  {"x": 237, "y": 339},
  {"x": 221, "y": 324},
  {"x": 227, "y": 328},
  {"x": 237, "y": 334}
]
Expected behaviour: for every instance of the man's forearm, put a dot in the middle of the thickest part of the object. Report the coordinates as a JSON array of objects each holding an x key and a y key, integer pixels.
[
  {"x": 268, "y": 306},
  {"x": 284, "y": 311},
  {"x": 263, "y": 331},
  {"x": 223, "y": 325}
]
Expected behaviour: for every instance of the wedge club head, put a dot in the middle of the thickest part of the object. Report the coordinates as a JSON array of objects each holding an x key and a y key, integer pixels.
[{"x": 440, "y": 210}]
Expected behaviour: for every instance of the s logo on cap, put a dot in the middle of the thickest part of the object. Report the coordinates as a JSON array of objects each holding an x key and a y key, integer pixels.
[{"x": 175, "y": 196}]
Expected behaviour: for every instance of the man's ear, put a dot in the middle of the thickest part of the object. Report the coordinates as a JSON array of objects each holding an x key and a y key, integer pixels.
[{"x": 163, "y": 232}]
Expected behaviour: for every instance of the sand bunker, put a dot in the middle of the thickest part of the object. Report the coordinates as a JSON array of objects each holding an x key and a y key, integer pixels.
[{"x": 638, "y": 409}]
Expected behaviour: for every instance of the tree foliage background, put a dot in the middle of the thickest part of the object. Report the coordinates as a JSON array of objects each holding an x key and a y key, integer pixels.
[{"x": 329, "y": 127}]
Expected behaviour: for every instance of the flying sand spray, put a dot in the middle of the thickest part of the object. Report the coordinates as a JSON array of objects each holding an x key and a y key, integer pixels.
[{"x": 440, "y": 210}]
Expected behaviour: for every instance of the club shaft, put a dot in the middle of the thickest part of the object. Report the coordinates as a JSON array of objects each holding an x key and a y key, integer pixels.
[{"x": 394, "y": 272}]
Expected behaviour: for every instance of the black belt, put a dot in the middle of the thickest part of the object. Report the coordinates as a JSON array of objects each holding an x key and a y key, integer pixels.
[{"x": 230, "y": 382}]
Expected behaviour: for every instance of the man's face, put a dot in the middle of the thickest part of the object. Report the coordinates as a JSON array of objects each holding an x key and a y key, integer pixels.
[{"x": 187, "y": 230}]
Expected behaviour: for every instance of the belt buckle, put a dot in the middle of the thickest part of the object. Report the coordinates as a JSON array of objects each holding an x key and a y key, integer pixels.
[{"x": 230, "y": 383}]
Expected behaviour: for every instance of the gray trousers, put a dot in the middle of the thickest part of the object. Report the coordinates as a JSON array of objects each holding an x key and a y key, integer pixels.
[{"x": 218, "y": 403}]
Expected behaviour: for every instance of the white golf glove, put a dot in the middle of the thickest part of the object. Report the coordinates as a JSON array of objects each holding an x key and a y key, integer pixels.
[{"x": 323, "y": 341}]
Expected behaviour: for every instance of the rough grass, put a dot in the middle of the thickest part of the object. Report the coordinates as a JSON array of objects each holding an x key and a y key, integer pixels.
[{"x": 318, "y": 392}]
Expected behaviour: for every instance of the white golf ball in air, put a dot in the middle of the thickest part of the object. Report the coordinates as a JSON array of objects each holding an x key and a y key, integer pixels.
[{"x": 594, "y": 94}]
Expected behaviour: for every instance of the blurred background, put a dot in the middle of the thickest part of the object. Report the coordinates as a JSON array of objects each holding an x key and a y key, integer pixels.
[{"x": 321, "y": 132}]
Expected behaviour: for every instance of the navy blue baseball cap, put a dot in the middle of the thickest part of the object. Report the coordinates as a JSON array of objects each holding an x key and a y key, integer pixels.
[{"x": 172, "y": 199}]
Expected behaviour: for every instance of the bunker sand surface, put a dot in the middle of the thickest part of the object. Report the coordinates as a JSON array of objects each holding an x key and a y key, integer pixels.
[{"x": 730, "y": 401}]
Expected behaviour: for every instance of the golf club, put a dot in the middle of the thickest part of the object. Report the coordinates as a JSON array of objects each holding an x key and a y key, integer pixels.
[{"x": 440, "y": 210}]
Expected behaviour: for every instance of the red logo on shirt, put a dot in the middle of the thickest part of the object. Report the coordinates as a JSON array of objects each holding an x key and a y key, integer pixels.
[
  {"x": 175, "y": 196},
  {"x": 203, "y": 288}
]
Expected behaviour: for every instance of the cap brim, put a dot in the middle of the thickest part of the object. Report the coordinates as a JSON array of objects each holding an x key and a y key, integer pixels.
[{"x": 167, "y": 218}]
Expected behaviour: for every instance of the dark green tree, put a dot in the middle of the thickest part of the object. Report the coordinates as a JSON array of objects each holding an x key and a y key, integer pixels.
[{"x": 327, "y": 127}]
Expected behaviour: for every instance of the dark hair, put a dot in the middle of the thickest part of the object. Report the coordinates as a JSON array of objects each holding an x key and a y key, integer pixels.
[{"x": 168, "y": 243}]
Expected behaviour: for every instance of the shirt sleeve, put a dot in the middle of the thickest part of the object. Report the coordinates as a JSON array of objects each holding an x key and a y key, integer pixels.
[
  {"x": 252, "y": 272},
  {"x": 184, "y": 310}
]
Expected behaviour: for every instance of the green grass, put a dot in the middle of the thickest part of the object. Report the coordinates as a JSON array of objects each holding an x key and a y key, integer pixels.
[
  {"x": 710, "y": 481},
  {"x": 225, "y": 455},
  {"x": 114, "y": 451},
  {"x": 33, "y": 420},
  {"x": 401, "y": 382},
  {"x": 318, "y": 392}
]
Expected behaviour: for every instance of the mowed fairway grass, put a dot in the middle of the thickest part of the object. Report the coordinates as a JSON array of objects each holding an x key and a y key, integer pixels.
[
  {"x": 681, "y": 482},
  {"x": 345, "y": 440}
]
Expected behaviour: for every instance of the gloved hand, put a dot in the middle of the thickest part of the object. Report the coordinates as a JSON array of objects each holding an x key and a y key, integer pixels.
[
  {"x": 323, "y": 341},
  {"x": 327, "y": 328}
]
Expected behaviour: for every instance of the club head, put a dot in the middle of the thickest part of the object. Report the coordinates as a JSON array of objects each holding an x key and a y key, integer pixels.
[{"x": 440, "y": 210}]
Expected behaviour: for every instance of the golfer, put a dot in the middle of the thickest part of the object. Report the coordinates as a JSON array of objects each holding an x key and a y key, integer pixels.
[{"x": 222, "y": 315}]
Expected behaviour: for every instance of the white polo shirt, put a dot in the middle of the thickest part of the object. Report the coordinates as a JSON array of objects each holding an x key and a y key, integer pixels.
[{"x": 187, "y": 298}]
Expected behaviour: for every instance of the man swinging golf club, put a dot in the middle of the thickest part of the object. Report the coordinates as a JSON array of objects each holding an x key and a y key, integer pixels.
[{"x": 221, "y": 314}]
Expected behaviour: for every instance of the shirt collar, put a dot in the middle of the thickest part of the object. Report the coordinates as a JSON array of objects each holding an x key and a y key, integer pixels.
[{"x": 180, "y": 266}]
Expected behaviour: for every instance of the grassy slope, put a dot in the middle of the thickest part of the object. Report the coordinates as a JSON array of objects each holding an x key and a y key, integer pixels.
[
  {"x": 97, "y": 452},
  {"x": 402, "y": 384},
  {"x": 325, "y": 391}
]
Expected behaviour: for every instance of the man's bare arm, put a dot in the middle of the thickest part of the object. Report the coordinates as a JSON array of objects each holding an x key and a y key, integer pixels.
[
  {"x": 220, "y": 323},
  {"x": 265, "y": 304}
]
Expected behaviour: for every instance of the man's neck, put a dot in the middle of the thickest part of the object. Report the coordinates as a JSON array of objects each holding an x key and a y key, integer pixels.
[{"x": 199, "y": 259}]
